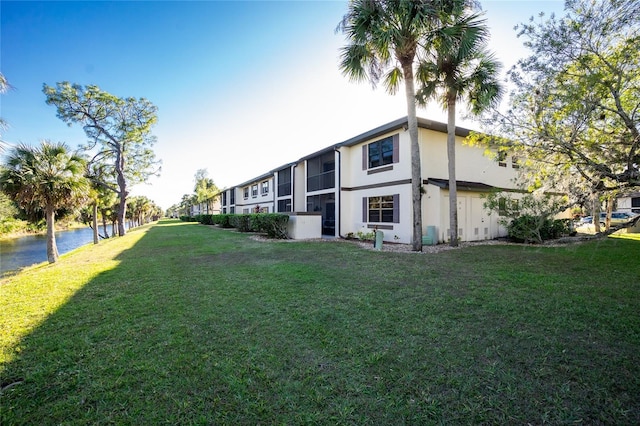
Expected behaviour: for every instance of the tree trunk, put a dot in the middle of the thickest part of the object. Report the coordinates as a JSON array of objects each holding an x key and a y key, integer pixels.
[
  {"x": 607, "y": 221},
  {"x": 123, "y": 193},
  {"x": 416, "y": 173},
  {"x": 595, "y": 211},
  {"x": 52, "y": 249},
  {"x": 451, "y": 154},
  {"x": 104, "y": 225},
  {"x": 95, "y": 223}
]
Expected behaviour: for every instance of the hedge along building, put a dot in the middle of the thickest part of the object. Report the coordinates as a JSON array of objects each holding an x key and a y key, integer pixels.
[{"x": 365, "y": 183}]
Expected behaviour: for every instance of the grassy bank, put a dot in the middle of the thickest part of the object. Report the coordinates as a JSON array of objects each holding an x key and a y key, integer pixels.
[{"x": 181, "y": 323}]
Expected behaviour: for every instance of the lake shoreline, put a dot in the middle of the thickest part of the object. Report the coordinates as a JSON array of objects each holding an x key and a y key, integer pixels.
[{"x": 25, "y": 233}]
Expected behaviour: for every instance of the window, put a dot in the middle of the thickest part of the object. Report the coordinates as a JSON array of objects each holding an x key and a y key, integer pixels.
[
  {"x": 380, "y": 153},
  {"x": 245, "y": 211},
  {"x": 381, "y": 209},
  {"x": 502, "y": 159},
  {"x": 264, "y": 186},
  {"x": 284, "y": 182},
  {"x": 514, "y": 162},
  {"x": 254, "y": 190},
  {"x": 232, "y": 210},
  {"x": 321, "y": 172},
  {"x": 232, "y": 198},
  {"x": 224, "y": 198},
  {"x": 246, "y": 192},
  {"x": 284, "y": 205}
]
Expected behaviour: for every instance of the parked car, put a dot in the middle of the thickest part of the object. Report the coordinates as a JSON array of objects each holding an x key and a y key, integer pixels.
[{"x": 617, "y": 218}]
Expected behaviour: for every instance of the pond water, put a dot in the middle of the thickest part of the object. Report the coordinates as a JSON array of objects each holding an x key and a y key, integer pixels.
[{"x": 24, "y": 251}]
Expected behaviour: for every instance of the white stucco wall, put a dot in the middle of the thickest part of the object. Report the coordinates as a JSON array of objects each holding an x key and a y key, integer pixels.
[
  {"x": 304, "y": 226},
  {"x": 471, "y": 165}
]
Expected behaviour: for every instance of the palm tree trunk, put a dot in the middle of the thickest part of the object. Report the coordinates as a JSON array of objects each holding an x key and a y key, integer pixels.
[
  {"x": 95, "y": 223},
  {"x": 52, "y": 249},
  {"x": 451, "y": 154},
  {"x": 104, "y": 225},
  {"x": 416, "y": 173}
]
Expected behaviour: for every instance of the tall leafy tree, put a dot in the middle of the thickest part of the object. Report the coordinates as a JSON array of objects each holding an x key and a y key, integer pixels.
[
  {"x": 574, "y": 112},
  {"x": 458, "y": 67},
  {"x": 205, "y": 188},
  {"x": 142, "y": 210},
  {"x": 45, "y": 178},
  {"x": 119, "y": 131},
  {"x": 384, "y": 40}
]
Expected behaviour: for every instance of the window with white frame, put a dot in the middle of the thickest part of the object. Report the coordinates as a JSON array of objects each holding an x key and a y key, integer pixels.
[
  {"x": 246, "y": 192},
  {"x": 254, "y": 190},
  {"x": 264, "y": 187}
]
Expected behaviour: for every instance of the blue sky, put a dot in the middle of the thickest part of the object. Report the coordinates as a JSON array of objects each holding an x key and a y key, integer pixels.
[{"x": 242, "y": 87}]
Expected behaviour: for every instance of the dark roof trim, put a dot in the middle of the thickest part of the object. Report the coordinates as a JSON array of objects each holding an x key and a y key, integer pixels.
[
  {"x": 256, "y": 179},
  {"x": 377, "y": 185},
  {"x": 461, "y": 185},
  {"x": 317, "y": 153},
  {"x": 285, "y": 166},
  {"x": 401, "y": 123}
]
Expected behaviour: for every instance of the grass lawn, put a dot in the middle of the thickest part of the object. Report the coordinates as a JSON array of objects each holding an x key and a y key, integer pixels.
[{"x": 180, "y": 323}]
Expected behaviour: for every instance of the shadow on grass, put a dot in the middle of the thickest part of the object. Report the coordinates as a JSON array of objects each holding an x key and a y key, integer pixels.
[{"x": 202, "y": 325}]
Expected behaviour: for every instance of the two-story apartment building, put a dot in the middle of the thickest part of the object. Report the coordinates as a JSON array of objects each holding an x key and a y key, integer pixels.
[
  {"x": 254, "y": 196},
  {"x": 365, "y": 182}
]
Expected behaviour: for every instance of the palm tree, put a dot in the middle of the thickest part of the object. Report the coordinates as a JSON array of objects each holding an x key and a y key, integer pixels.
[
  {"x": 384, "y": 43},
  {"x": 4, "y": 86},
  {"x": 45, "y": 178},
  {"x": 458, "y": 67}
]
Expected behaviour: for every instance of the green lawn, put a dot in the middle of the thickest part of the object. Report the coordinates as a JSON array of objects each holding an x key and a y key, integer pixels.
[{"x": 181, "y": 323}]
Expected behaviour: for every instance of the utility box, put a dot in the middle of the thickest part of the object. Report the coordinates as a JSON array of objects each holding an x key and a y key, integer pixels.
[
  {"x": 432, "y": 234},
  {"x": 379, "y": 237}
]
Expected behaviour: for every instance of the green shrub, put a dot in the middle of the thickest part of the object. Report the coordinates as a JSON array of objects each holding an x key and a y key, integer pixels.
[
  {"x": 241, "y": 222},
  {"x": 536, "y": 229},
  {"x": 272, "y": 224},
  {"x": 223, "y": 220},
  {"x": 206, "y": 219},
  {"x": 14, "y": 226},
  {"x": 275, "y": 225}
]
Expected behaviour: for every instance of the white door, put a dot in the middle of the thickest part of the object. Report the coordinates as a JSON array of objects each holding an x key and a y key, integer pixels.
[
  {"x": 480, "y": 221},
  {"x": 463, "y": 217}
]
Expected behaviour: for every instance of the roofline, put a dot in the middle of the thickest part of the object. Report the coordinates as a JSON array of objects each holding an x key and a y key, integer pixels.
[
  {"x": 401, "y": 123},
  {"x": 255, "y": 179}
]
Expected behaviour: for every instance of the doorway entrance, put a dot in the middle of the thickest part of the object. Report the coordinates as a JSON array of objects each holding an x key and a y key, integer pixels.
[{"x": 326, "y": 205}]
